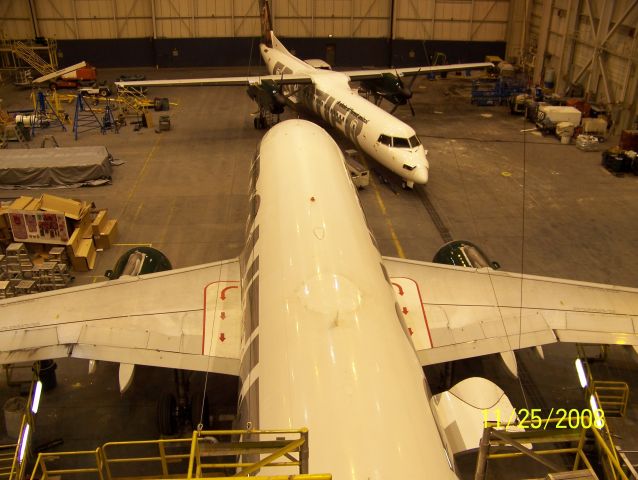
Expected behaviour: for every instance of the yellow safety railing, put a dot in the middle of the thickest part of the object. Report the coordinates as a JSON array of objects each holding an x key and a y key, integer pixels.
[
  {"x": 237, "y": 453},
  {"x": 550, "y": 434},
  {"x": 612, "y": 397}
]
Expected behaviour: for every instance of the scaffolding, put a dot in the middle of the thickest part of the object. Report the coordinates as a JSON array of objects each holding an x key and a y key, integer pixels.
[{"x": 17, "y": 55}]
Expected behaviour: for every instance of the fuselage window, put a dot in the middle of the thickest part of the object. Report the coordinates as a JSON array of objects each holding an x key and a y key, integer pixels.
[
  {"x": 385, "y": 140},
  {"x": 399, "y": 142},
  {"x": 414, "y": 141}
]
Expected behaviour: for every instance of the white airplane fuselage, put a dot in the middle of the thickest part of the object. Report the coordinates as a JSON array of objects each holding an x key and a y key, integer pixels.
[
  {"x": 324, "y": 342},
  {"x": 331, "y": 98}
]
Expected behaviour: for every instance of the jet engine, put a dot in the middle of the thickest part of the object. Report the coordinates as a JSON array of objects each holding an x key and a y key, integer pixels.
[
  {"x": 464, "y": 254},
  {"x": 391, "y": 88},
  {"x": 139, "y": 261}
]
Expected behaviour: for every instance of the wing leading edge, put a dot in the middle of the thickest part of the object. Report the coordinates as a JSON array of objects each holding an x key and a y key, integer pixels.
[
  {"x": 188, "y": 318},
  {"x": 283, "y": 79},
  {"x": 358, "y": 75},
  {"x": 457, "y": 312}
]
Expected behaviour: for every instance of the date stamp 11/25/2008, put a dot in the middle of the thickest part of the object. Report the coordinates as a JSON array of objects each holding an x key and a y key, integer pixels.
[{"x": 536, "y": 419}]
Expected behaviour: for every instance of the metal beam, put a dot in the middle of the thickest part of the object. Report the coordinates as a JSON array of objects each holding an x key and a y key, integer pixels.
[
  {"x": 421, "y": 22},
  {"x": 66, "y": 23},
  {"x": 364, "y": 17},
  {"x": 181, "y": 19},
  {"x": 153, "y": 19},
  {"x": 75, "y": 19},
  {"x": 128, "y": 15},
  {"x": 114, "y": 9},
  {"x": 489, "y": 10},
  {"x": 543, "y": 35},
  {"x": 243, "y": 19},
  {"x": 291, "y": 5}
]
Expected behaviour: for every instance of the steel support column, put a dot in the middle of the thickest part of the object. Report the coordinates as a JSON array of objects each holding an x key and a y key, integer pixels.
[{"x": 541, "y": 47}]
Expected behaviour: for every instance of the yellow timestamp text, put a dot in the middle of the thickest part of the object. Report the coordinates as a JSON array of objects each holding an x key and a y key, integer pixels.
[{"x": 536, "y": 419}]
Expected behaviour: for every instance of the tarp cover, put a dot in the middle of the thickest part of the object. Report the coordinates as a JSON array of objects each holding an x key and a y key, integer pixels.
[{"x": 55, "y": 167}]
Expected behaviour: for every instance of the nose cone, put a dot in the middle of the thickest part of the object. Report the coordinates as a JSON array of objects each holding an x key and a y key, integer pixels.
[
  {"x": 406, "y": 92},
  {"x": 421, "y": 174}
]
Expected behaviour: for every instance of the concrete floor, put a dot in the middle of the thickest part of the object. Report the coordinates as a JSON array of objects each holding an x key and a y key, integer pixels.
[{"x": 529, "y": 202}]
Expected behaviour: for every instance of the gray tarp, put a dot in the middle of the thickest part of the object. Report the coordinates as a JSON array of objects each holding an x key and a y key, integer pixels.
[{"x": 54, "y": 167}]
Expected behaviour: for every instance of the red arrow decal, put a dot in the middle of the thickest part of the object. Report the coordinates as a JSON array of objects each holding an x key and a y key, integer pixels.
[
  {"x": 223, "y": 294},
  {"x": 222, "y": 315},
  {"x": 410, "y": 330},
  {"x": 399, "y": 287},
  {"x": 222, "y": 337},
  {"x": 405, "y": 310}
]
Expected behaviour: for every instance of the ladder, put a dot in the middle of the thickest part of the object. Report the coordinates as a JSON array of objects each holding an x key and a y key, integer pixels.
[
  {"x": 35, "y": 61},
  {"x": 18, "y": 134}
]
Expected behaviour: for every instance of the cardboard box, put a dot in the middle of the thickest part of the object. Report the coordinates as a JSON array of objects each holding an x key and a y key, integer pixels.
[
  {"x": 83, "y": 259},
  {"x": 4, "y": 221},
  {"x": 74, "y": 242},
  {"x": 84, "y": 226},
  {"x": 99, "y": 222},
  {"x": 71, "y": 208},
  {"x": 107, "y": 236},
  {"x": 33, "y": 204},
  {"x": 20, "y": 203}
]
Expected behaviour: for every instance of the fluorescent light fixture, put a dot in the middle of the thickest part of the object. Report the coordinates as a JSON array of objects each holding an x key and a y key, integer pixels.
[
  {"x": 23, "y": 444},
  {"x": 37, "y": 393},
  {"x": 596, "y": 412},
  {"x": 581, "y": 373}
]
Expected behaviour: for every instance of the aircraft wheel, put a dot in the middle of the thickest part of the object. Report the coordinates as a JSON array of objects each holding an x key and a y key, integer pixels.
[
  {"x": 167, "y": 414},
  {"x": 198, "y": 400}
]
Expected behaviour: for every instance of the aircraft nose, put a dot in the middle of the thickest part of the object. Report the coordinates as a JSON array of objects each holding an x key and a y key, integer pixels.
[{"x": 421, "y": 174}]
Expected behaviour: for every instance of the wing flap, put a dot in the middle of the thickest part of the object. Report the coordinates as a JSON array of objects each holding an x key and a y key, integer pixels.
[
  {"x": 151, "y": 319},
  {"x": 466, "y": 312}
]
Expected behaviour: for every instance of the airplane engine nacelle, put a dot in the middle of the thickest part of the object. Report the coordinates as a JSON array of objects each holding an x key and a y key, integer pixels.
[
  {"x": 462, "y": 412},
  {"x": 268, "y": 96},
  {"x": 389, "y": 87},
  {"x": 464, "y": 254},
  {"x": 139, "y": 261}
]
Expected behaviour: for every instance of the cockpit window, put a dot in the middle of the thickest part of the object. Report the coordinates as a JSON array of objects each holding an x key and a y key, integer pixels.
[
  {"x": 384, "y": 139},
  {"x": 401, "y": 142}
]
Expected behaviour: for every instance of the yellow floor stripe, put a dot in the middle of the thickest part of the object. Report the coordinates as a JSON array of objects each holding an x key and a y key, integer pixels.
[
  {"x": 141, "y": 174},
  {"x": 384, "y": 212},
  {"x": 133, "y": 244}
]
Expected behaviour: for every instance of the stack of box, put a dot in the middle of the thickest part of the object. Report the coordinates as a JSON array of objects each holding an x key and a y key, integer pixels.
[
  {"x": 104, "y": 231},
  {"x": 67, "y": 222}
]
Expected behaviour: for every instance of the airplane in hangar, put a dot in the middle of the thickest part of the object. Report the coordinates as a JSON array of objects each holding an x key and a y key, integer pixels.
[
  {"x": 322, "y": 331},
  {"x": 328, "y": 94}
]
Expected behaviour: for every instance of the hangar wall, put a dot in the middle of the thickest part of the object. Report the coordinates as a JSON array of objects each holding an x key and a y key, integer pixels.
[{"x": 592, "y": 44}]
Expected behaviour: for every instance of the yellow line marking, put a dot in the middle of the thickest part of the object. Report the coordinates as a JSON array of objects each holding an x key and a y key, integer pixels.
[
  {"x": 133, "y": 244},
  {"x": 169, "y": 217},
  {"x": 384, "y": 212},
  {"x": 141, "y": 174}
]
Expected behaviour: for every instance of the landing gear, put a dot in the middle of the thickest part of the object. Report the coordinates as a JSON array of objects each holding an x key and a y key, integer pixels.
[
  {"x": 407, "y": 185},
  {"x": 167, "y": 414},
  {"x": 265, "y": 120},
  {"x": 182, "y": 412}
]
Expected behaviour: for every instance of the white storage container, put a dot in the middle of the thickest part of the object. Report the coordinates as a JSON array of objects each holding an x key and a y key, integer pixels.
[{"x": 561, "y": 114}]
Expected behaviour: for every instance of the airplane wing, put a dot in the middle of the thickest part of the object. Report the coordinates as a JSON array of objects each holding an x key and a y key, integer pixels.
[
  {"x": 358, "y": 75},
  {"x": 458, "y": 312},
  {"x": 285, "y": 79},
  {"x": 188, "y": 318}
]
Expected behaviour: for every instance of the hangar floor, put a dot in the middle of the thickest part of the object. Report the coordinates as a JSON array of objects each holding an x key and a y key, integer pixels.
[{"x": 529, "y": 202}]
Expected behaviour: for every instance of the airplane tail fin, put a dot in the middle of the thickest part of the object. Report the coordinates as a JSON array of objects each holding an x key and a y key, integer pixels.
[
  {"x": 268, "y": 37},
  {"x": 266, "y": 23}
]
